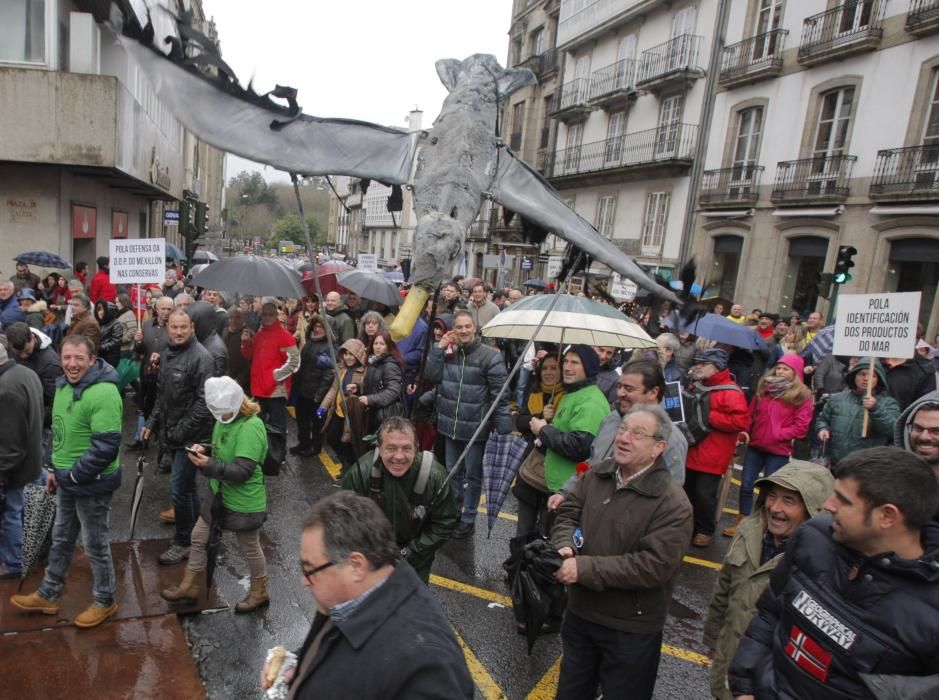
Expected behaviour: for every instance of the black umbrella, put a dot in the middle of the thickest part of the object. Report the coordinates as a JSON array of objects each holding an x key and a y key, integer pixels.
[
  {"x": 250, "y": 274},
  {"x": 138, "y": 491},
  {"x": 537, "y": 284},
  {"x": 537, "y": 597},
  {"x": 215, "y": 541},
  {"x": 38, "y": 519}
]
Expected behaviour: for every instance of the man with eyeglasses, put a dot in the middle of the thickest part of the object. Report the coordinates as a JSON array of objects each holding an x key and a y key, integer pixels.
[
  {"x": 622, "y": 533},
  {"x": 378, "y": 631},
  {"x": 917, "y": 430}
]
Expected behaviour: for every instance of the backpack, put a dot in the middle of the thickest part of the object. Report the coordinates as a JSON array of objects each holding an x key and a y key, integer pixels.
[
  {"x": 698, "y": 410},
  {"x": 418, "y": 511}
]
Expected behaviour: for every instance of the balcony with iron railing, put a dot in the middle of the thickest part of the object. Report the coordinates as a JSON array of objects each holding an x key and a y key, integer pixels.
[
  {"x": 923, "y": 17},
  {"x": 670, "y": 64},
  {"x": 906, "y": 174},
  {"x": 569, "y": 103},
  {"x": 753, "y": 59},
  {"x": 611, "y": 87},
  {"x": 819, "y": 180},
  {"x": 731, "y": 187},
  {"x": 579, "y": 20},
  {"x": 853, "y": 27},
  {"x": 548, "y": 63},
  {"x": 672, "y": 144}
]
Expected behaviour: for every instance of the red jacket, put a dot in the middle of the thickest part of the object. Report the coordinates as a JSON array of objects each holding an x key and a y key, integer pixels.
[
  {"x": 268, "y": 353},
  {"x": 101, "y": 288},
  {"x": 776, "y": 424},
  {"x": 728, "y": 415}
]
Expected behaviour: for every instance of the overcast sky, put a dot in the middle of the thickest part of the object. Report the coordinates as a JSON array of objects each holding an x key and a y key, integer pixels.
[{"x": 362, "y": 59}]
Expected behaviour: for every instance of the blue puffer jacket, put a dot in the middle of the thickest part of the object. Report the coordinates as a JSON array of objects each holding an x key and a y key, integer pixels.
[
  {"x": 468, "y": 383},
  {"x": 830, "y": 614}
]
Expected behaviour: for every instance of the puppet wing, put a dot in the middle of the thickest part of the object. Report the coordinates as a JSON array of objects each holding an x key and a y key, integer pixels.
[
  {"x": 520, "y": 189},
  {"x": 303, "y": 144}
]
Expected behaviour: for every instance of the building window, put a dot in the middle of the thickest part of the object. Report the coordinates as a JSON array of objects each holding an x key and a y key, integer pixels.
[
  {"x": 575, "y": 135},
  {"x": 653, "y": 227},
  {"x": 23, "y": 31},
  {"x": 516, "y": 50},
  {"x": 606, "y": 210},
  {"x": 931, "y": 131},
  {"x": 537, "y": 42},
  {"x": 614, "y": 137},
  {"x": 834, "y": 122},
  {"x": 518, "y": 124},
  {"x": 749, "y": 134},
  {"x": 669, "y": 122}
]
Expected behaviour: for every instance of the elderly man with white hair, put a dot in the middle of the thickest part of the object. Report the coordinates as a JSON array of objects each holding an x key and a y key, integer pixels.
[{"x": 10, "y": 311}]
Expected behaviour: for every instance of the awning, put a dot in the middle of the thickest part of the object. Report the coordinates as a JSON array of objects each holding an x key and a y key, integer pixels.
[
  {"x": 814, "y": 211},
  {"x": 726, "y": 214},
  {"x": 906, "y": 210}
]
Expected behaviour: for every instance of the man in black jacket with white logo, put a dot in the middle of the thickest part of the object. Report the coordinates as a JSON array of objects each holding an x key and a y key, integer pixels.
[{"x": 854, "y": 604}]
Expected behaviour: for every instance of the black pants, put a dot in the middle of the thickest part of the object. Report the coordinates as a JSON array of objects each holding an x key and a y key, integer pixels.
[
  {"x": 309, "y": 426},
  {"x": 274, "y": 413},
  {"x": 532, "y": 509},
  {"x": 343, "y": 450},
  {"x": 702, "y": 489},
  {"x": 623, "y": 664}
]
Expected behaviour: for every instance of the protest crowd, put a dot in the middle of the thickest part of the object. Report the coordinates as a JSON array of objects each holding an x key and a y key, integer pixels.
[{"x": 830, "y": 588}]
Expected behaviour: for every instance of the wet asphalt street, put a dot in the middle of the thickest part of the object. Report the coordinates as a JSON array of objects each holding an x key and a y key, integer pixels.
[{"x": 468, "y": 579}]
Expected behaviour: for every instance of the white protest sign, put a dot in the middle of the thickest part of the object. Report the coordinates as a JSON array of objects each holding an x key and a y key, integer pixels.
[
  {"x": 555, "y": 262},
  {"x": 137, "y": 260},
  {"x": 368, "y": 261},
  {"x": 623, "y": 289},
  {"x": 877, "y": 325}
]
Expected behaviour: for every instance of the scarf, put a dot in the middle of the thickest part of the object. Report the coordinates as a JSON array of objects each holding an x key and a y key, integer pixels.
[
  {"x": 776, "y": 386},
  {"x": 536, "y": 399}
]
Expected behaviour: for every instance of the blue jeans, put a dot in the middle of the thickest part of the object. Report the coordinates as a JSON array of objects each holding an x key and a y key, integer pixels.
[
  {"x": 11, "y": 531},
  {"x": 755, "y": 461},
  {"x": 471, "y": 470},
  {"x": 524, "y": 378},
  {"x": 623, "y": 664},
  {"x": 183, "y": 495},
  {"x": 90, "y": 514}
]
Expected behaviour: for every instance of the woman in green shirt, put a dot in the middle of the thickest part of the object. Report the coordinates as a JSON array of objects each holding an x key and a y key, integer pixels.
[{"x": 238, "y": 498}]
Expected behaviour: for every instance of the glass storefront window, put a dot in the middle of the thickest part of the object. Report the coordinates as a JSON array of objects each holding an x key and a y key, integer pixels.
[{"x": 23, "y": 31}]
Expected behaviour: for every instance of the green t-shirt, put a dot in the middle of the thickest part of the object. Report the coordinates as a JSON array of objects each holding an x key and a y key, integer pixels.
[
  {"x": 99, "y": 410},
  {"x": 581, "y": 410},
  {"x": 243, "y": 437}
]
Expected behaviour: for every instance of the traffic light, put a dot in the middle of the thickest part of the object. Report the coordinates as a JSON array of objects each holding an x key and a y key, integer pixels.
[
  {"x": 844, "y": 263},
  {"x": 185, "y": 218},
  {"x": 823, "y": 282},
  {"x": 201, "y": 218}
]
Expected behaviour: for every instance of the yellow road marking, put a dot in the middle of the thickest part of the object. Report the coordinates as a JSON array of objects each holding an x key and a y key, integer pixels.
[
  {"x": 686, "y": 655},
  {"x": 547, "y": 687},
  {"x": 732, "y": 511},
  {"x": 504, "y": 516},
  {"x": 702, "y": 562},
  {"x": 735, "y": 482},
  {"x": 487, "y": 686},
  {"x": 461, "y": 587},
  {"x": 332, "y": 467}
]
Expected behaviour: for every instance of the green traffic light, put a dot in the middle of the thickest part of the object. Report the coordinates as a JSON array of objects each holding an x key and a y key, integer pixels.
[{"x": 842, "y": 277}]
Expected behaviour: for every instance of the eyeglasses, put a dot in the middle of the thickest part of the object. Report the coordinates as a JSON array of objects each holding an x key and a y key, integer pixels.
[
  {"x": 639, "y": 434},
  {"x": 920, "y": 429},
  {"x": 310, "y": 573}
]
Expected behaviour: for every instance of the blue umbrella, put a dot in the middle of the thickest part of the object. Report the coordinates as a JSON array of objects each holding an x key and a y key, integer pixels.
[
  {"x": 40, "y": 259},
  {"x": 174, "y": 253},
  {"x": 722, "y": 330},
  {"x": 537, "y": 284},
  {"x": 501, "y": 460}
]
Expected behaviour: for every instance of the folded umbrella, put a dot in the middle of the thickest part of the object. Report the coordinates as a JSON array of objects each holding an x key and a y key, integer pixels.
[
  {"x": 214, "y": 543},
  {"x": 250, "y": 274},
  {"x": 722, "y": 330},
  {"x": 38, "y": 519},
  {"x": 138, "y": 491},
  {"x": 501, "y": 460},
  {"x": 370, "y": 285},
  {"x": 40, "y": 259},
  {"x": 536, "y": 595},
  {"x": 573, "y": 319}
]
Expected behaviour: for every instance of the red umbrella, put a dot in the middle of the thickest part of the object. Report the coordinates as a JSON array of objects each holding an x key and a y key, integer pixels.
[{"x": 327, "y": 274}]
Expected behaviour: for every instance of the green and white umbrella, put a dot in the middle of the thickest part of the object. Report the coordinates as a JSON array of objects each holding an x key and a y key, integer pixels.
[{"x": 573, "y": 320}]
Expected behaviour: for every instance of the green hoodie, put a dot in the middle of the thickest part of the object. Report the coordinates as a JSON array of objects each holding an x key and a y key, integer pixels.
[{"x": 742, "y": 578}]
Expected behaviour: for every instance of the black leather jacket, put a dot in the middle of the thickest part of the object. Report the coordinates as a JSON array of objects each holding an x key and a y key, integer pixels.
[
  {"x": 830, "y": 614},
  {"x": 180, "y": 413}
]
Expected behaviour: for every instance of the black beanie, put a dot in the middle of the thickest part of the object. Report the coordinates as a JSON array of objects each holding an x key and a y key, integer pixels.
[{"x": 588, "y": 358}]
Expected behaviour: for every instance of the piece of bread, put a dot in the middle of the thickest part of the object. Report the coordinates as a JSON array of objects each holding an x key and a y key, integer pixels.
[{"x": 278, "y": 654}]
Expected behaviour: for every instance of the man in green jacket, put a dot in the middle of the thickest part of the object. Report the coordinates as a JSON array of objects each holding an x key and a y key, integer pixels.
[
  {"x": 86, "y": 438},
  {"x": 789, "y": 497},
  {"x": 622, "y": 533},
  {"x": 403, "y": 482}
]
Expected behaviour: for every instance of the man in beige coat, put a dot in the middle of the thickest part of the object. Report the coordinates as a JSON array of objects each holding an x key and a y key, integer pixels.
[{"x": 787, "y": 499}]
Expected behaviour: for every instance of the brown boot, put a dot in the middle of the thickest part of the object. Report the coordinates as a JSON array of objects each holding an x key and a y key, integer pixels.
[
  {"x": 731, "y": 530},
  {"x": 168, "y": 516},
  {"x": 256, "y": 598},
  {"x": 35, "y": 603},
  {"x": 94, "y": 615},
  {"x": 187, "y": 592}
]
